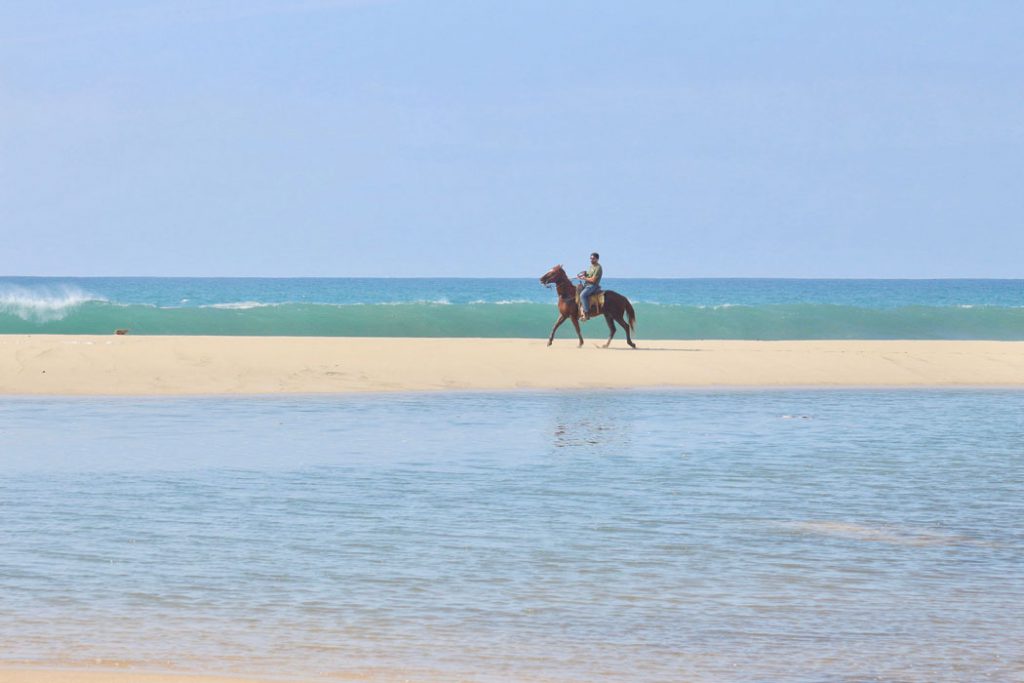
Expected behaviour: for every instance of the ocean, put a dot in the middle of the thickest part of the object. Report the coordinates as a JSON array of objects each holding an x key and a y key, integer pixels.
[
  {"x": 653, "y": 536},
  {"x": 454, "y": 307}
]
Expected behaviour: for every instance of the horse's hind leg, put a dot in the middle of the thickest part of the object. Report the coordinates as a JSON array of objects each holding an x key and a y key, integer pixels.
[
  {"x": 561, "y": 319},
  {"x": 629, "y": 338},
  {"x": 611, "y": 329}
]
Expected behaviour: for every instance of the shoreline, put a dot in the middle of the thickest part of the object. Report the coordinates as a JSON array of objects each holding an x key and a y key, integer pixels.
[{"x": 74, "y": 365}]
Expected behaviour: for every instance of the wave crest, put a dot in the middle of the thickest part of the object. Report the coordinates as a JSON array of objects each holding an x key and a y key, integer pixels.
[
  {"x": 238, "y": 305},
  {"x": 43, "y": 304}
]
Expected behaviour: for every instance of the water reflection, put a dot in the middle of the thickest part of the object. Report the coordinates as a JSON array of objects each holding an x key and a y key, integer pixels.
[{"x": 580, "y": 422}]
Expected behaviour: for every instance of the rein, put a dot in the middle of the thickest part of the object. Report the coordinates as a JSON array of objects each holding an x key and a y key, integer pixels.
[{"x": 564, "y": 287}]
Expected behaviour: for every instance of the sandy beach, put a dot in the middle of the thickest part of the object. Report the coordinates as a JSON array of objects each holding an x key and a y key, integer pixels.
[{"x": 126, "y": 365}]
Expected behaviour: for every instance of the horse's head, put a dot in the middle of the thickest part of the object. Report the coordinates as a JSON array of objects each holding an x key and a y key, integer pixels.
[{"x": 552, "y": 275}]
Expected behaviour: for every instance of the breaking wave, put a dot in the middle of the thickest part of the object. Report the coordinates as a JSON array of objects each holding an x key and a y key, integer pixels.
[
  {"x": 75, "y": 311},
  {"x": 42, "y": 305}
]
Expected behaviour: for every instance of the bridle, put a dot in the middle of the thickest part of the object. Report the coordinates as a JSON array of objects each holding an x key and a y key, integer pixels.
[{"x": 557, "y": 276}]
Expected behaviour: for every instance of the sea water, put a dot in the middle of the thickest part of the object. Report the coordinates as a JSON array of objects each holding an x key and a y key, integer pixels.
[
  {"x": 724, "y": 536},
  {"x": 457, "y": 307}
]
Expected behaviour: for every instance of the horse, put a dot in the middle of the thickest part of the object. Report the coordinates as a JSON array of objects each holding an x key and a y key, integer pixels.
[{"x": 615, "y": 305}]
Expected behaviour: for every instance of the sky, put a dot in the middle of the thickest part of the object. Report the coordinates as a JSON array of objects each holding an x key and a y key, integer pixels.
[{"x": 475, "y": 138}]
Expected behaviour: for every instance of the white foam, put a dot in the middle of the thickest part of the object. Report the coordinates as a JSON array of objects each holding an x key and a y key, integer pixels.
[
  {"x": 502, "y": 302},
  {"x": 419, "y": 302},
  {"x": 238, "y": 305},
  {"x": 43, "y": 304}
]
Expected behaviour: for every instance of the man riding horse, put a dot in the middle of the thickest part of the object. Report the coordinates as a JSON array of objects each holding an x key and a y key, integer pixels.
[
  {"x": 592, "y": 279},
  {"x": 616, "y": 308}
]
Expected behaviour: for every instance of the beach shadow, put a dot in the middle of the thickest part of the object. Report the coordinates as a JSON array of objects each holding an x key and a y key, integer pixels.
[{"x": 649, "y": 348}]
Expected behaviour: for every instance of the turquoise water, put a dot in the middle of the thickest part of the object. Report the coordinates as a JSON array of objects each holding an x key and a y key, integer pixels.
[
  {"x": 643, "y": 536},
  {"x": 452, "y": 307}
]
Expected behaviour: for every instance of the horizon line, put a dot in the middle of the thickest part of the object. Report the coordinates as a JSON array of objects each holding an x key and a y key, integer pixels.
[{"x": 503, "y": 277}]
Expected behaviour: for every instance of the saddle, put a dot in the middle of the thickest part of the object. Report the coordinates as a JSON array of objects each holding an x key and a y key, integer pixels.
[{"x": 596, "y": 302}]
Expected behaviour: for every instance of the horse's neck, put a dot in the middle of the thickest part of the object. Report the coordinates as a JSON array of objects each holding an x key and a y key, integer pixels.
[{"x": 566, "y": 290}]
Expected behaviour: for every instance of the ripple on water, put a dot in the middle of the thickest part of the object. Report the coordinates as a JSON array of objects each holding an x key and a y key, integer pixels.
[{"x": 655, "y": 536}]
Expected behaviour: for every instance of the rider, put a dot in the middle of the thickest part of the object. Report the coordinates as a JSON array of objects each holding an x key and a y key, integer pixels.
[{"x": 592, "y": 278}]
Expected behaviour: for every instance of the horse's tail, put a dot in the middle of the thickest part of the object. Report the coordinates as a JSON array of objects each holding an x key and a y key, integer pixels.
[{"x": 630, "y": 313}]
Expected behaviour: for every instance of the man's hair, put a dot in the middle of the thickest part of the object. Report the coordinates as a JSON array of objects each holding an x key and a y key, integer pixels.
[{"x": 596, "y": 255}]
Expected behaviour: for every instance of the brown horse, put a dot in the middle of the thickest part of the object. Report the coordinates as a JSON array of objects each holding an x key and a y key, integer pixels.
[{"x": 615, "y": 305}]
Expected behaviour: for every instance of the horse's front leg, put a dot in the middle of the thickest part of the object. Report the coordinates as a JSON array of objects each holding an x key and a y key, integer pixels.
[
  {"x": 561, "y": 319},
  {"x": 611, "y": 328},
  {"x": 625, "y": 326},
  {"x": 576, "y": 324}
]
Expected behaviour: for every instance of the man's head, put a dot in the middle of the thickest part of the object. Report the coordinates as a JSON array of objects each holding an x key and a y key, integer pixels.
[{"x": 594, "y": 257}]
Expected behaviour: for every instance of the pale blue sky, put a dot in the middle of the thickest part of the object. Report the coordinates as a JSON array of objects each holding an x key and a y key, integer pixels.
[{"x": 475, "y": 138}]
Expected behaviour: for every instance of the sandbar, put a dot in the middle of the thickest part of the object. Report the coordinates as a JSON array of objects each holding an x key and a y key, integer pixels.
[{"x": 194, "y": 365}]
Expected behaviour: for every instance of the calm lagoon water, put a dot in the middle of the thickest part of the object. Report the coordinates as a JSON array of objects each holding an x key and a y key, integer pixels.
[{"x": 642, "y": 536}]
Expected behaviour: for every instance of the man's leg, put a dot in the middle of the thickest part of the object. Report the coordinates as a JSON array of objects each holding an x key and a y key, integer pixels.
[{"x": 585, "y": 299}]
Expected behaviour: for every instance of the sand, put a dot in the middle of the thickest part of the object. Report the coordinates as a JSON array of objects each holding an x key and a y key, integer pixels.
[{"x": 126, "y": 365}]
